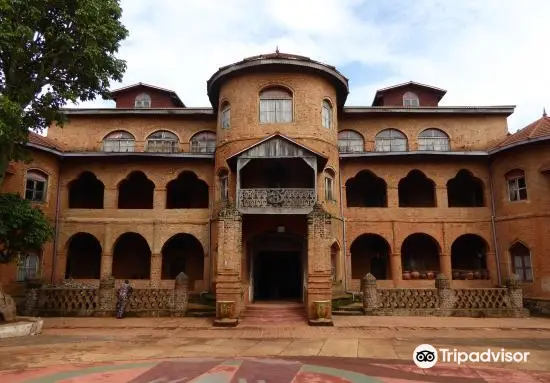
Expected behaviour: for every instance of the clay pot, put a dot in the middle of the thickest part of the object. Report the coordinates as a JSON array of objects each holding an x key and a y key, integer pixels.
[
  {"x": 485, "y": 274},
  {"x": 423, "y": 276},
  {"x": 469, "y": 275},
  {"x": 463, "y": 275},
  {"x": 406, "y": 275},
  {"x": 415, "y": 275},
  {"x": 477, "y": 275},
  {"x": 456, "y": 275},
  {"x": 430, "y": 275}
]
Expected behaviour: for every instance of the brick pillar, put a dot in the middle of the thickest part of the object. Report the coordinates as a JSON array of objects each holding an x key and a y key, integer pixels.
[
  {"x": 319, "y": 276},
  {"x": 31, "y": 302},
  {"x": 106, "y": 296},
  {"x": 396, "y": 269},
  {"x": 445, "y": 265},
  {"x": 156, "y": 270},
  {"x": 180, "y": 295},
  {"x": 110, "y": 198},
  {"x": 445, "y": 294},
  {"x": 393, "y": 196},
  {"x": 159, "y": 199},
  {"x": 107, "y": 254},
  {"x": 228, "y": 272},
  {"x": 514, "y": 292},
  {"x": 370, "y": 293},
  {"x": 441, "y": 198}
]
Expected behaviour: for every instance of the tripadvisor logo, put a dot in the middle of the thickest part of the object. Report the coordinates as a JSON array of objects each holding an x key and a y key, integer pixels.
[{"x": 426, "y": 356}]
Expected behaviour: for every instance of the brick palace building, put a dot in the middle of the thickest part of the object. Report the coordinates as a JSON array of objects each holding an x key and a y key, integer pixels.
[{"x": 280, "y": 191}]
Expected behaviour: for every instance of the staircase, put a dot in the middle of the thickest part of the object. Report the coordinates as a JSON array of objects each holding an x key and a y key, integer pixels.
[{"x": 278, "y": 313}]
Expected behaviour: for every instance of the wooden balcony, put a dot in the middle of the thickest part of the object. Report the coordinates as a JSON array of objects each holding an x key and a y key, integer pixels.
[{"x": 276, "y": 200}]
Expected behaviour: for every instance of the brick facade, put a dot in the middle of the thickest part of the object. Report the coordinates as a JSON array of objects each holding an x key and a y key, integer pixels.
[{"x": 330, "y": 234}]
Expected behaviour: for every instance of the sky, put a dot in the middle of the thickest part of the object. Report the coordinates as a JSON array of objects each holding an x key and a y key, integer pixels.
[{"x": 483, "y": 52}]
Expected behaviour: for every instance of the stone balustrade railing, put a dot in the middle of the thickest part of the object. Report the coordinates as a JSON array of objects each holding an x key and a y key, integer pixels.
[
  {"x": 443, "y": 301},
  {"x": 101, "y": 301}
]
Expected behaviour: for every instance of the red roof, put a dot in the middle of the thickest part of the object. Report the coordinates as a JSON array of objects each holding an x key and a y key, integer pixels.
[
  {"x": 536, "y": 130},
  {"x": 45, "y": 142}
]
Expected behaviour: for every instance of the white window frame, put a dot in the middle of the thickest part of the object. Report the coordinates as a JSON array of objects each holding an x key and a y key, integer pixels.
[
  {"x": 396, "y": 141},
  {"x": 34, "y": 178},
  {"x": 162, "y": 141},
  {"x": 142, "y": 100},
  {"x": 517, "y": 187},
  {"x": 411, "y": 99},
  {"x": 434, "y": 140},
  {"x": 200, "y": 143},
  {"x": 276, "y": 106},
  {"x": 349, "y": 141},
  {"x": 327, "y": 115},
  {"x": 225, "y": 118},
  {"x": 329, "y": 188},
  {"x": 119, "y": 142},
  {"x": 28, "y": 267}
]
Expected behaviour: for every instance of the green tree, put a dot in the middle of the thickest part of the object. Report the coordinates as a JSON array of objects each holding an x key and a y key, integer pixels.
[
  {"x": 53, "y": 52},
  {"x": 23, "y": 227}
]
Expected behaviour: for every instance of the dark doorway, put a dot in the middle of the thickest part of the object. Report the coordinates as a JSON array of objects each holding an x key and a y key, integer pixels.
[{"x": 278, "y": 275}]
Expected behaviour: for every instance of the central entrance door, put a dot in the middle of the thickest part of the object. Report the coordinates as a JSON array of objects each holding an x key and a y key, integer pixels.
[
  {"x": 276, "y": 267},
  {"x": 278, "y": 275}
]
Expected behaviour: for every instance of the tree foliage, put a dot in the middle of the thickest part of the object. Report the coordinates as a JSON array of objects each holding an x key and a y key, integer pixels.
[
  {"x": 53, "y": 52},
  {"x": 23, "y": 227}
]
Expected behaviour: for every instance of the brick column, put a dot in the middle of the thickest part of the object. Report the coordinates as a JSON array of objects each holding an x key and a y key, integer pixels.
[
  {"x": 106, "y": 297},
  {"x": 441, "y": 198},
  {"x": 514, "y": 292},
  {"x": 370, "y": 293},
  {"x": 445, "y": 294},
  {"x": 396, "y": 269},
  {"x": 319, "y": 280},
  {"x": 106, "y": 255},
  {"x": 228, "y": 273},
  {"x": 159, "y": 199},
  {"x": 110, "y": 198},
  {"x": 181, "y": 295},
  {"x": 393, "y": 196},
  {"x": 445, "y": 265},
  {"x": 156, "y": 270}
]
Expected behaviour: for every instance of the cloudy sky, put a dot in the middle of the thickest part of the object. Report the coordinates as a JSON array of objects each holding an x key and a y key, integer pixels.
[{"x": 484, "y": 52}]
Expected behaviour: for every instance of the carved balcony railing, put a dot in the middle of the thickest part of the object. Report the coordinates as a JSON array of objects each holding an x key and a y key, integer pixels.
[{"x": 276, "y": 200}]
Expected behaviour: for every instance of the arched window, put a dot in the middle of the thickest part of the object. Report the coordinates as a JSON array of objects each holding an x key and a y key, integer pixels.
[
  {"x": 36, "y": 186},
  {"x": 521, "y": 262},
  {"x": 204, "y": 142},
  {"x": 143, "y": 100},
  {"x": 225, "y": 116},
  {"x": 391, "y": 140},
  {"x": 350, "y": 142},
  {"x": 223, "y": 179},
  {"x": 410, "y": 99},
  {"x": 327, "y": 115},
  {"x": 329, "y": 185},
  {"x": 517, "y": 187},
  {"x": 119, "y": 141},
  {"x": 28, "y": 267},
  {"x": 275, "y": 106},
  {"x": 433, "y": 139},
  {"x": 162, "y": 142}
]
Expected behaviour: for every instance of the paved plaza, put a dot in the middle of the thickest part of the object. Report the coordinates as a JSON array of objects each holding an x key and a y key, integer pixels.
[{"x": 356, "y": 349}]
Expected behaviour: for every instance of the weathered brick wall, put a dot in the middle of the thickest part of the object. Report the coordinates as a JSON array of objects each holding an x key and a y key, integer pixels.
[
  {"x": 465, "y": 132},
  {"x": 394, "y": 97},
  {"x": 159, "y": 99},
  {"x": 525, "y": 221}
]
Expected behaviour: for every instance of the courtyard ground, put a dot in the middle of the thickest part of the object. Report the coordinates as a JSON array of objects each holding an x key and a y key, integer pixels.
[{"x": 358, "y": 349}]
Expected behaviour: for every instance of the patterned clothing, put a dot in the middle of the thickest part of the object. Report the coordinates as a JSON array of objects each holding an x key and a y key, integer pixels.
[{"x": 122, "y": 300}]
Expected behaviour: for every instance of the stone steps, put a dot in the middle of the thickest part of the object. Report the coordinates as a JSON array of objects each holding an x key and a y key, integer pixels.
[{"x": 278, "y": 314}]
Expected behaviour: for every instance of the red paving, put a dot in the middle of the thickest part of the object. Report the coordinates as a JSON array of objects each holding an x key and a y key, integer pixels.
[{"x": 265, "y": 370}]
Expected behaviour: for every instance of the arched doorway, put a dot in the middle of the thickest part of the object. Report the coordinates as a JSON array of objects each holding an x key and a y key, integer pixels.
[
  {"x": 420, "y": 252},
  {"x": 370, "y": 254},
  {"x": 469, "y": 255},
  {"x": 276, "y": 266},
  {"x": 83, "y": 257},
  {"x": 183, "y": 253},
  {"x": 131, "y": 257}
]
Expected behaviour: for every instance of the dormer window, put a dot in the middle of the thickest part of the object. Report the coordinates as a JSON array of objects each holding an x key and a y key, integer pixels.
[
  {"x": 410, "y": 99},
  {"x": 275, "y": 106},
  {"x": 143, "y": 100}
]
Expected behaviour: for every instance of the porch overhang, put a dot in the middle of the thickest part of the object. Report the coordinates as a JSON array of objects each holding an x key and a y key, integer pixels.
[{"x": 277, "y": 146}]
